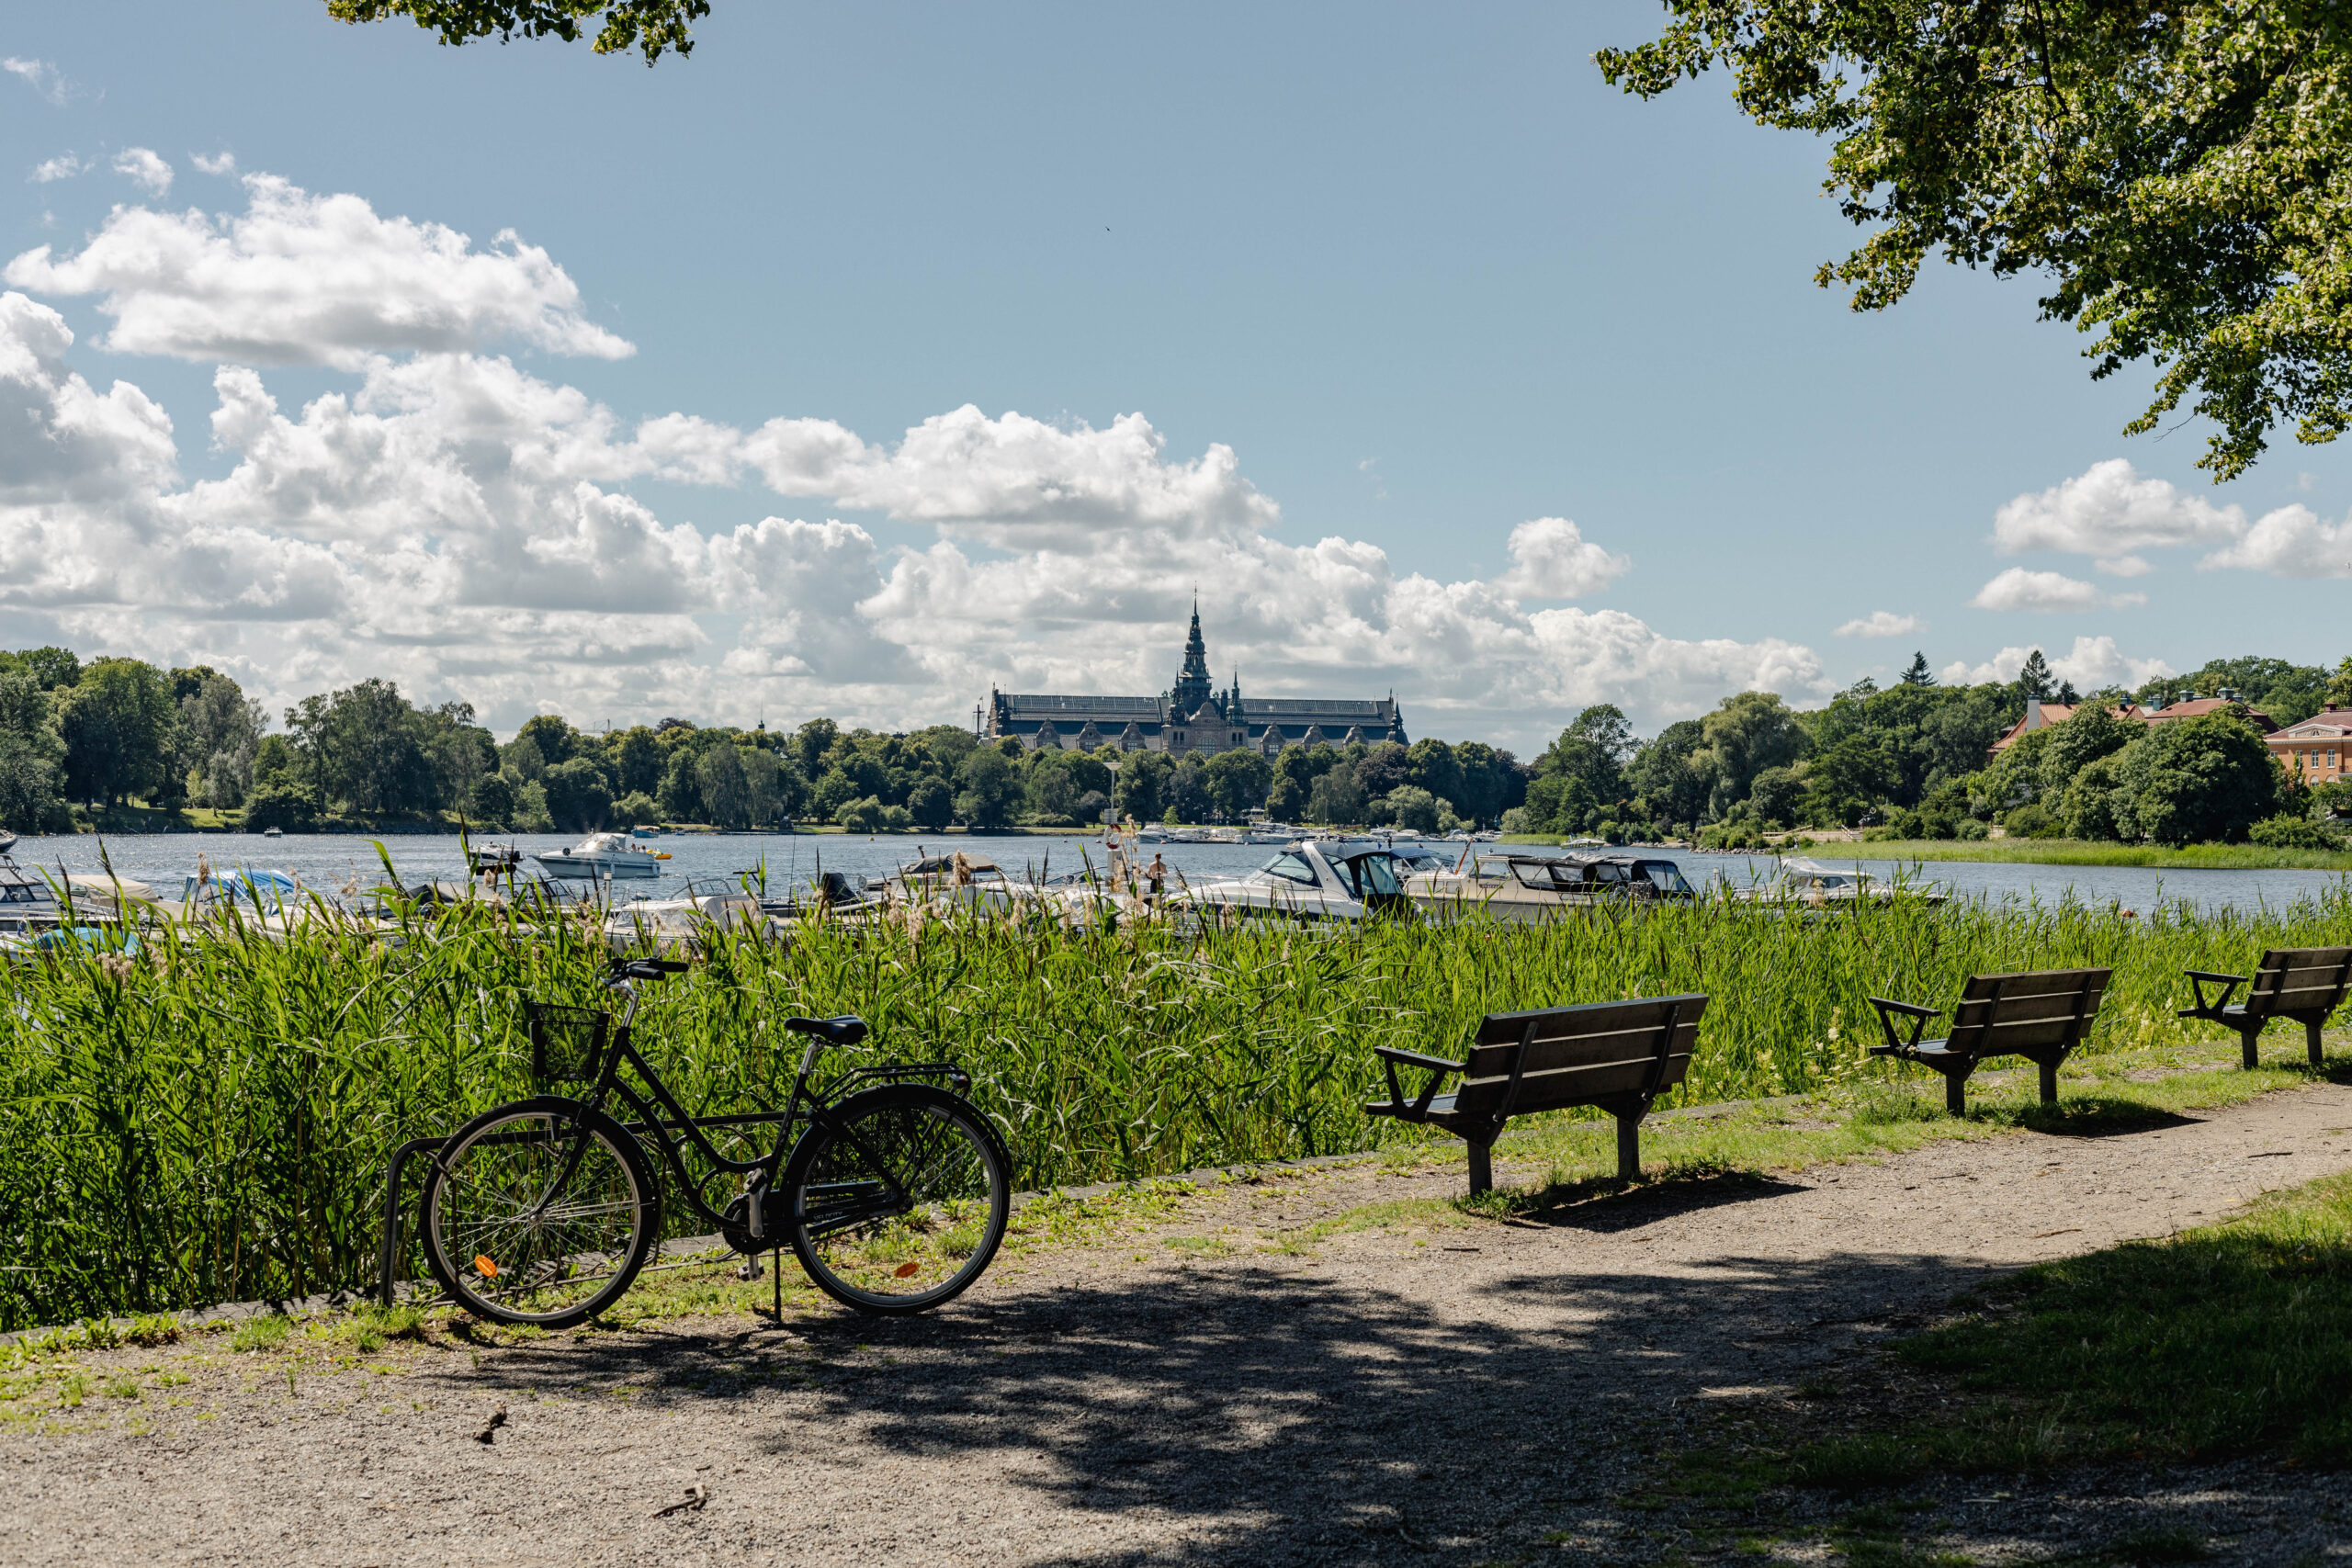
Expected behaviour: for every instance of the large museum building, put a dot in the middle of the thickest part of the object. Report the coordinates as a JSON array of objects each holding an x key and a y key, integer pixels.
[{"x": 1192, "y": 715}]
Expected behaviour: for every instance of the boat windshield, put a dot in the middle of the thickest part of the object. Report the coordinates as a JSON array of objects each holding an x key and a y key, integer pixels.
[
  {"x": 1664, "y": 876},
  {"x": 1373, "y": 877},
  {"x": 1290, "y": 868}
]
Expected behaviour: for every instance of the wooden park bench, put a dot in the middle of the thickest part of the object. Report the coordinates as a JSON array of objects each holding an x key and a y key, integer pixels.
[
  {"x": 2041, "y": 1016},
  {"x": 2304, "y": 983},
  {"x": 1618, "y": 1056}
]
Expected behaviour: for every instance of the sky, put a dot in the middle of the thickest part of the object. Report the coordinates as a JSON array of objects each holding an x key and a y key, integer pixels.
[{"x": 875, "y": 356}]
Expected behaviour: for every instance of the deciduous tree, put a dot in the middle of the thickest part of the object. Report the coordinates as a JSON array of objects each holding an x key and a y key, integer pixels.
[{"x": 2179, "y": 175}]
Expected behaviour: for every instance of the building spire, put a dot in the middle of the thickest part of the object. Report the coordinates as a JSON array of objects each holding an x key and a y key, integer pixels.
[{"x": 1194, "y": 685}]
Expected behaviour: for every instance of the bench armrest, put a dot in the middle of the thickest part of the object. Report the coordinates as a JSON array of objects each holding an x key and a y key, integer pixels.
[
  {"x": 2199, "y": 979},
  {"x": 1889, "y": 1009},
  {"x": 1438, "y": 1067},
  {"x": 1414, "y": 1059}
]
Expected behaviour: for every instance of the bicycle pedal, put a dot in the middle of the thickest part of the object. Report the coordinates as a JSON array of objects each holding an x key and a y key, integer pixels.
[{"x": 750, "y": 1269}]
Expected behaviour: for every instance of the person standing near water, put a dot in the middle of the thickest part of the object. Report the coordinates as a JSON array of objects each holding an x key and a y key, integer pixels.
[{"x": 1156, "y": 874}]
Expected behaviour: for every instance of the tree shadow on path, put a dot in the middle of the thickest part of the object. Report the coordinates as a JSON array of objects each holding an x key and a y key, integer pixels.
[{"x": 1278, "y": 1418}]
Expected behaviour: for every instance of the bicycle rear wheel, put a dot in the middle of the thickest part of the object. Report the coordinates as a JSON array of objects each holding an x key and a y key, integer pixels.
[
  {"x": 896, "y": 1198},
  {"x": 540, "y": 1212}
]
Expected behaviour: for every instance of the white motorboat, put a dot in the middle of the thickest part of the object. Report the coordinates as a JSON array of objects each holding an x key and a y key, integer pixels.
[
  {"x": 1315, "y": 879},
  {"x": 601, "y": 856},
  {"x": 673, "y": 927},
  {"x": 1530, "y": 887},
  {"x": 1811, "y": 883}
]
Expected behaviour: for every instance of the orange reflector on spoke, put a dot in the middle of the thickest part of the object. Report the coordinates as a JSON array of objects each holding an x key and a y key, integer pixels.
[
  {"x": 484, "y": 1266},
  {"x": 907, "y": 1270}
]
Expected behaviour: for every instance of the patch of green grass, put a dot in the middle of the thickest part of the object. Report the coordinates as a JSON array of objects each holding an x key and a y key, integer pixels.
[
  {"x": 267, "y": 1331},
  {"x": 154, "y": 1328},
  {"x": 1200, "y": 1246},
  {"x": 2225, "y": 1339},
  {"x": 1064, "y": 1219}
]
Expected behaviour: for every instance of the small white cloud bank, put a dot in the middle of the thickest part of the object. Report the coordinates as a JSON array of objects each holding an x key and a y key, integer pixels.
[
  {"x": 2021, "y": 589},
  {"x": 2109, "y": 511},
  {"x": 220, "y": 164},
  {"x": 304, "y": 280},
  {"x": 2290, "y": 542},
  {"x": 64, "y": 166},
  {"x": 2092, "y": 663},
  {"x": 1550, "y": 558},
  {"x": 1883, "y": 623},
  {"x": 145, "y": 168}
]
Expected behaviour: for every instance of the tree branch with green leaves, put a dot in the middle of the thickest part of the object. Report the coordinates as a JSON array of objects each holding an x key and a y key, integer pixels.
[
  {"x": 649, "y": 26},
  {"x": 2178, "y": 173}
]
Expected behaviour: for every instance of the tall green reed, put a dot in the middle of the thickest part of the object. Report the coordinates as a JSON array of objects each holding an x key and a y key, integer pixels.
[{"x": 208, "y": 1120}]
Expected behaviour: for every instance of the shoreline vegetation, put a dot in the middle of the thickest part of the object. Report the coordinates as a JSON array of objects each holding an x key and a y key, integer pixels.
[
  {"x": 125, "y": 820},
  {"x": 2077, "y": 852},
  {"x": 208, "y": 1121}
]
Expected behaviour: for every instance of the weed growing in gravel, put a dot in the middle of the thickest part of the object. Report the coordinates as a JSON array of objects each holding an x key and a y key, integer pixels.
[{"x": 266, "y": 1331}]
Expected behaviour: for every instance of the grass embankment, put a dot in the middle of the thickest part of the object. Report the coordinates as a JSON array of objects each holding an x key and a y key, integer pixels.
[
  {"x": 2084, "y": 851},
  {"x": 209, "y": 1124},
  {"x": 74, "y": 1376}
]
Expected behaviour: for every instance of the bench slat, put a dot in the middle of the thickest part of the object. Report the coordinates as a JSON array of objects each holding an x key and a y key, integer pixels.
[
  {"x": 1586, "y": 1018},
  {"x": 2299, "y": 979},
  {"x": 1546, "y": 1056},
  {"x": 1570, "y": 1086}
]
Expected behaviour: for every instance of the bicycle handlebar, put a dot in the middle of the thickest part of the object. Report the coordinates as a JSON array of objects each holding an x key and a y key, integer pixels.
[{"x": 644, "y": 968}]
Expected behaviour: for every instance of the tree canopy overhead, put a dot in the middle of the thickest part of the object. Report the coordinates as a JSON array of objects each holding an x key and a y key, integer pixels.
[
  {"x": 2179, "y": 172},
  {"x": 650, "y": 27}
]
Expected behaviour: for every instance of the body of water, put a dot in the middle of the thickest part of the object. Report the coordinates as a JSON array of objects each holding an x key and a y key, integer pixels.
[{"x": 334, "y": 862}]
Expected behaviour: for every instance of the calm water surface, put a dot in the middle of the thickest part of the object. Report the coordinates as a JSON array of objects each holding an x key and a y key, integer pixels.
[{"x": 331, "y": 861}]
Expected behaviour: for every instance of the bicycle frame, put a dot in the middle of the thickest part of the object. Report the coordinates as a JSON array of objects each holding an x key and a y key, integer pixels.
[
  {"x": 674, "y": 1134},
  {"x": 803, "y": 1109}
]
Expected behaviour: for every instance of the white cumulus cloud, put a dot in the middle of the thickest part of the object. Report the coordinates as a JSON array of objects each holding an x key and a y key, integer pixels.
[
  {"x": 64, "y": 166},
  {"x": 1881, "y": 623},
  {"x": 2091, "y": 663},
  {"x": 1550, "y": 558},
  {"x": 220, "y": 164},
  {"x": 2290, "y": 542},
  {"x": 2019, "y": 589},
  {"x": 448, "y": 519},
  {"x": 2108, "y": 510},
  {"x": 303, "y": 279},
  {"x": 144, "y": 166}
]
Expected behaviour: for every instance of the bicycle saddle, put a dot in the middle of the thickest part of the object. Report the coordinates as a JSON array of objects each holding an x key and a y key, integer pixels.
[{"x": 846, "y": 1030}]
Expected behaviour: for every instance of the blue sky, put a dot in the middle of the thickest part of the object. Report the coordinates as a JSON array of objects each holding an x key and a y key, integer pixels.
[{"x": 1426, "y": 276}]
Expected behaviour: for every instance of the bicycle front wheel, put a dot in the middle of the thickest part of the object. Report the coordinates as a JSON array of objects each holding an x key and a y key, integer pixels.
[
  {"x": 540, "y": 1212},
  {"x": 898, "y": 1198}
]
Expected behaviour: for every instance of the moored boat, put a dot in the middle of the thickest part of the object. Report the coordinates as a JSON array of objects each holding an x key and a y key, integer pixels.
[{"x": 601, "y": 856}]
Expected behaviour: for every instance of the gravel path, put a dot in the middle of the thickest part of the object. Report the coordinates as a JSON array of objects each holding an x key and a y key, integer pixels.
[{"x": 1425, "y": 1392}]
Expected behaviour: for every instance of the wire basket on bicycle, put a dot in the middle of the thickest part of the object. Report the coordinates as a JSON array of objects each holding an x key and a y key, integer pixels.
[{"x": 567, "y": 1043}]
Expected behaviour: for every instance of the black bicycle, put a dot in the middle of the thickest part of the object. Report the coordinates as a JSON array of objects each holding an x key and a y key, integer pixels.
[{"x": 894, "y": 1194}]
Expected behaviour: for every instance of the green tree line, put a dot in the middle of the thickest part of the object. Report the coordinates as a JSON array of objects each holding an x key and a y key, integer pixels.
[{"x": 1915, "y": 760}]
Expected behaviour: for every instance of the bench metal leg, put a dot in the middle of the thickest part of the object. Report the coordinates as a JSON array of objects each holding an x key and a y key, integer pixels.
[
  {"x": 2310, "y": 1040},
  {"x": 1482, "y": 1166},
  {"x": 1956, "y": 1093},
  {"x": 1629, "y": 1147},
  {"x": 2251, "y": 1057},
  {"x": 2049, "y": 1082}
]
